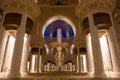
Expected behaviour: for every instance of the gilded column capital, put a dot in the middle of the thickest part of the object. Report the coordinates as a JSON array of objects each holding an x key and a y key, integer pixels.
[
  {"x": 37, "y": 43},
  {"x": 84, "y": 7},
  {"x": 27, "y": 6},
  {"x": 80, "y": 43}
]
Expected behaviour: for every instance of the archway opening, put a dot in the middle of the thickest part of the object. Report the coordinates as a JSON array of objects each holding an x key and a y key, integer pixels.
[{"x": 51, "y": 36}]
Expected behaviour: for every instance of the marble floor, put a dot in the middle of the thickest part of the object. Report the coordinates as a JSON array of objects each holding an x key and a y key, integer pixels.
[
  {"x": 51, "y": 78},
  {"x": 58, "y": 76}
]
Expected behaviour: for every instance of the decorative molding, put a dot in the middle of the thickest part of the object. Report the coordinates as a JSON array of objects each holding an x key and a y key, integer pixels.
[
  {"x": 37, "y": 44},
  {"x": 83, "y": 10},
  {"x": 29, "y": 7},
  {"x": 58, "y": 2},
  {"x": 80, "y": 43}
]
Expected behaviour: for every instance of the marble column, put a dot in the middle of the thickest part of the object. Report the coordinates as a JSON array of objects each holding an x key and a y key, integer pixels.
[
  {"x": 40, "y": 60},
  {"x": 97, "y": 56},
  {"x": 65, "y": 67},
  {"x": 89, "y": 55},
  {"x": 115, "y": 49},
  {"x": 83, "y": 63},
  {"x": 49, "y": 65},
  {"x": 36, "y": 66},
  {"x": 3, "y": 41},
  {"x": 18, "y": 48},
  {"x": 78, "y": 61},
  {"x": 8, "y": 54},
  {"x": 45, "y": 67},
  {"x": 73, "y": 67},
  {"x": 34, "y": 63},
  {"x": 70, "y": 65},
  {"x": 82, "y": 51},
  {"x": 25, "y": 54},
  {"x": 53, "y": 67},
  {"x": 30, "y": 64}
]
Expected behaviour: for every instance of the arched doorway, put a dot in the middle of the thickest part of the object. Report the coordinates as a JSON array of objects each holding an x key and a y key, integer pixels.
[{"x": 51, "y": 40}]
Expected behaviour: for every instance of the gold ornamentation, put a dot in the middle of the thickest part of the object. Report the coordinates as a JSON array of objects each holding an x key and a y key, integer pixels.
[
  {"x": 82, "y": 11},
  {"x": 62, "y": 2},
  {"x": 28, "y": 7},
  {"x": 37, "y": 43}
]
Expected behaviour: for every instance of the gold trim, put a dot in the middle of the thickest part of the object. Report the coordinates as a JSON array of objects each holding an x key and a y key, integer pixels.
[
  {"x": 12, "y": 32},
  {"x": 11, "y": 26},
  {"x": 24, "y": 5},
  {"x": 82, "y": 11}
]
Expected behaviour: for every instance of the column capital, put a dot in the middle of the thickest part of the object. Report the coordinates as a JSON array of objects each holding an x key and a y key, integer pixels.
[
  {"x": 35, "y": 50},
  {"x": 41, "y": 51},
  {"x": 84, "y": 7},
  {"x": 80, "y": 43},
  {"x": 37, "y": 43},
  {"x": 27, "y": 6},
  {"x": 82, "y": 50},
  {"x": 18, "y": 48}
]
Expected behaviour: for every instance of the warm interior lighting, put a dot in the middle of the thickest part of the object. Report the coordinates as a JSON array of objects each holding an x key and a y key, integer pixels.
[
  {"x": 33, "y": 64},
  {"x": 102, "y": 32},
  {"x": 8, "y": 53},
  {"x": 36, "y": 1},
  {"x": 25, "y": 37},
  {"x": 40, "y": 61},
  {"x": 24, "y": 66},
  {"x": 12, "y": 32},
  {"x": 83, "y": 63},
  {"x": 105, "y": 49},
  {"x": 90, "y": 54},
  {"x": 28, "y": 65},
  {"x": 58, "y": 17},
  {"x": 47, "y": 49},
  {"x": 72, "y": 47}
]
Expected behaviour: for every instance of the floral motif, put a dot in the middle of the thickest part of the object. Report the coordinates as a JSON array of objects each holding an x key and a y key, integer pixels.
[
  {"x": 81, "y": 11},
  {"x": 28, "y": 7}
]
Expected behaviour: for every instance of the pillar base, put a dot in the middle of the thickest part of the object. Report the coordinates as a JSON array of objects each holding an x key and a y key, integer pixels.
[
  {"x": 24, "y": 74},
  {"x": 90, "y": 74},
  {"x": 98, "y": 75},
  {"x": 3, "y": 74},
  {"x": 34, "y": 72},
  {"x": 114, "y": 74},
  {"x": 13, "y": 75}
]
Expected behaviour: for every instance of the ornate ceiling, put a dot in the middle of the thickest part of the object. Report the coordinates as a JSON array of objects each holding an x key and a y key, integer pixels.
[{"x": 57, "y": 2}]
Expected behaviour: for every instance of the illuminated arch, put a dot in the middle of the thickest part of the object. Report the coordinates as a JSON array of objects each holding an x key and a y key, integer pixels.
[{"x": 58, "y": 17}]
